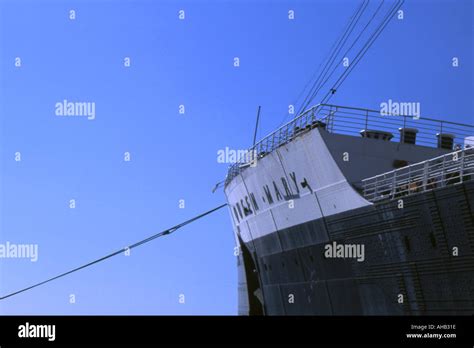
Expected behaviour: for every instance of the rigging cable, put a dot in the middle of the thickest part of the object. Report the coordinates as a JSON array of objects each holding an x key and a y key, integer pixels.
[
  {"x": 327, "y": 58},
  {"x": 146, "y": 240},
  {"x": 340, "y": 44},
  {"x": 363, "y": 50},
  {"x": 348, "y": 50}
]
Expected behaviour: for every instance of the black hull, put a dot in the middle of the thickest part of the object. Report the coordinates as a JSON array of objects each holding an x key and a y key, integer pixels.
[{"x": 408, "y": 252}]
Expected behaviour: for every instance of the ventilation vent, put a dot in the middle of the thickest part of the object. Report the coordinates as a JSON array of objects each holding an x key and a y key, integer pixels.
[
  {"x": 376, "y": 134},
  {"x": 445, "y": 140},
  {"x": 408, "y": 135}
]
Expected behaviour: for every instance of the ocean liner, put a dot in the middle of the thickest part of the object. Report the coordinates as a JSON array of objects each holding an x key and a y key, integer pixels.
[{"x": 347, "y": 211}]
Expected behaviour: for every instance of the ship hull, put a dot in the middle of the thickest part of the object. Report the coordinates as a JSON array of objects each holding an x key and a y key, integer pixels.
[{"x": 418, "y": 260}]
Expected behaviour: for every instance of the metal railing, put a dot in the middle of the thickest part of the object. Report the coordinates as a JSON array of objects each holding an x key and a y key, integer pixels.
[
  {"x": 282, "y": 135},
  {"x": 450, "y": 169},
  {"x": 351, "y": 121}
]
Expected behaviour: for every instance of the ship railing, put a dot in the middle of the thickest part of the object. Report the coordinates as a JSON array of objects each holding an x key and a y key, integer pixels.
[
  {"x": 355, "y": 121},
  {"x": 304, "y": 122},
  {"x": 352, "y": 121},
  {"x": 446, "y": 170}
]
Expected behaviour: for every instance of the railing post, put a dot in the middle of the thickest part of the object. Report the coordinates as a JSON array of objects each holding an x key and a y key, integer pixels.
[
  {"x": 439, "y": 138},
  {"x": 461, "y": 170},
  {"x": 425, "y": 175},
  {"x": 409, "y": 180},
  {"x": 366, "y": 119},
  {"x": 330, "y": 120},
  {"x": 376, "y": 191},
  {"x": 443, "y": 174},
  {"x": 394, "y": 184}
]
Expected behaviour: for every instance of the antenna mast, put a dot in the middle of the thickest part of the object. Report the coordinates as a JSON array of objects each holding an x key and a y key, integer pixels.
[{"x": 256, "y": 126}]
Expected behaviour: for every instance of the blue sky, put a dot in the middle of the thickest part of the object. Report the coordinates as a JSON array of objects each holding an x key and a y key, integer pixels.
[{"x": 174, "y": 156}]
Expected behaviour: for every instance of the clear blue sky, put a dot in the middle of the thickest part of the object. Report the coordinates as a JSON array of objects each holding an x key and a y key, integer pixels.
[{"x": 174, "y": 156}]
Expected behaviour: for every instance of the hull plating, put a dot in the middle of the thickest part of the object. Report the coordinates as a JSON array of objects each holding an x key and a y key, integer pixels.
[{"x": 418, "y": 260}]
